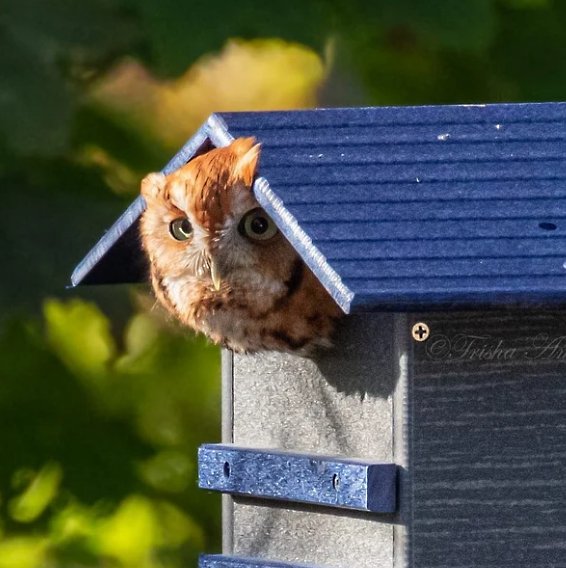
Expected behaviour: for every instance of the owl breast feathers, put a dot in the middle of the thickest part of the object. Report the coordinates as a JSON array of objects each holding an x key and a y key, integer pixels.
[{"x": 221, "y": 266}]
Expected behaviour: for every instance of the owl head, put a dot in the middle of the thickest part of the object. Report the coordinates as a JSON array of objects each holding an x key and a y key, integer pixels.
[{"x": 218, "y": 261}]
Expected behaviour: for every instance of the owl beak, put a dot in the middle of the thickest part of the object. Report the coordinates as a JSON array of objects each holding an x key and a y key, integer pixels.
[{"x": 215, "y": 275}]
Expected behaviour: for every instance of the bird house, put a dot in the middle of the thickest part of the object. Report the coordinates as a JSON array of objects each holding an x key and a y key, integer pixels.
[{"x": 434, "y": 433}]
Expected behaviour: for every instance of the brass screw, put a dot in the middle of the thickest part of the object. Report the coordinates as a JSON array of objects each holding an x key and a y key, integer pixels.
[{"x": 420, "y": 331}]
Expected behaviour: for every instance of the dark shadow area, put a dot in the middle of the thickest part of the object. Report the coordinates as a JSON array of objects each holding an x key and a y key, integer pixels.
[
  {"x": 276, "y": 505},
  {"x": 120, "y": 259},
  {"x": 364, "y": 359},
  {"x": 389, "y": 518}
]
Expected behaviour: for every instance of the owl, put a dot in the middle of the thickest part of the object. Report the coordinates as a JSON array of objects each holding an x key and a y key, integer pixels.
[{"x": 220, "y": 265}]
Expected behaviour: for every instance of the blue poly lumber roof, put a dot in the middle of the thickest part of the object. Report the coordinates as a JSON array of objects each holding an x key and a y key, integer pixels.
[{"x": 400, "y": 207}]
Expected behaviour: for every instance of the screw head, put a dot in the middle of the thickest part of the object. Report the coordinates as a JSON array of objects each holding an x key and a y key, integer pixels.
[{"x": 420, "y": 331}]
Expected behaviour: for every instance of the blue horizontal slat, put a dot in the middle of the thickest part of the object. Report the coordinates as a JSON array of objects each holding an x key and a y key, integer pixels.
[
  {"x": 480, "y": 171},
  {"x": 541, "y": 286},
  {"x": 399, "y": 134},
  {"x": 304, "y": 478},
  {"x": 446, "y": 249},
  {"x": 423, "y": 210},
  {"x": 221, "y": 561},
  {"x": 425, "y": 268},
  {"x": 416, "y": 153},
  {"x": 433, "y": 229},
  {"x": 456, "y": 294},
  {"x": 299, "y": 193},
  {"x": 369, "y": 117}
]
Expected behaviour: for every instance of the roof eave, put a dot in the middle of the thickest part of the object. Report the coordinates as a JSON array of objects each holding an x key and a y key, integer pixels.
[
  {"x": 303, "y": 244},
  {"x": 117, "y": 258}
]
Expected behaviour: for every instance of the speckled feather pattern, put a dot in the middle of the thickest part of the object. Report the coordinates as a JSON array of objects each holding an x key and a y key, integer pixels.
[{"x": 266, "y": 298}]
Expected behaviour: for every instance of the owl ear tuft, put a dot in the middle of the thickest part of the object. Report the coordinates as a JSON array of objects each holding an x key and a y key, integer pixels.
[
  {"x": 247, "y": 161},
  {"x": 152, "y": 186}
]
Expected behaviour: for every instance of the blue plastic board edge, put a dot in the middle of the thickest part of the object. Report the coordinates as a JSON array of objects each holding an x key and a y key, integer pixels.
[
  {"x": 117, "y": 256},
  {"x": 297, "y": 477},
  {"x": 303, "y": 244},
  {"x": 221, "y": 561}
]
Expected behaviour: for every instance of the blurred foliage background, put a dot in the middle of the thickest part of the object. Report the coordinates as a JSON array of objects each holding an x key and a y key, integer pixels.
[{"x": 103, "y": 402}]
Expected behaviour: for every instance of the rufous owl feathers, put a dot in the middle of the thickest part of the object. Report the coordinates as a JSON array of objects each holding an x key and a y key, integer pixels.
[{"x": 221, "y": 266}]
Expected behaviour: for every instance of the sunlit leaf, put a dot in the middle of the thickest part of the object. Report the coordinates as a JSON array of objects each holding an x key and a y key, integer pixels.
[
  {"x": 278, "y": 75},
  {"x": 22, "y": 552},
  {"x": 131, "y": 533},
  {"x": 80, "y": 334},
  {"x": 140, "y": 337},
  {"x": 117, "y": 175},
  {"x": 74, "y": 523},
  {"x": 40, "y": 493}
]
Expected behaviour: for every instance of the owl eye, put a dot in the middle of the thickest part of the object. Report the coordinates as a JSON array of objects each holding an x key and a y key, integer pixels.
[
  {"x": 181, "y": 229},
  {"x": 257, "y": 225}
]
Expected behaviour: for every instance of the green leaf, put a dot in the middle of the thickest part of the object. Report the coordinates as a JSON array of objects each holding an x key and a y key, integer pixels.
[
  {"x": 23, "y": 552},
  {"x": 177, "y": 528},
  {"x": 38, "y": 495},
  {"x": 131, "y": 533},
  {"x": 80, "y": 334},
  {"x": 47, "y": 414}
]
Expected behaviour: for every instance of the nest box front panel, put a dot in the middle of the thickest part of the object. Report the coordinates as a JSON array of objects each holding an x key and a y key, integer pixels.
[
  {"x": 339, "y": 404},
  {"x": 488, "y": 459}
]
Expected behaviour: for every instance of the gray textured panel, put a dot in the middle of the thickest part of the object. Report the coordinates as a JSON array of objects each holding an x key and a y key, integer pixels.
[
  {"x": 489, "y": 441},
  {"x": 339, "y": 404},
  {"x": 303, "y": 478},
  {"x": 219, "y": 561}
]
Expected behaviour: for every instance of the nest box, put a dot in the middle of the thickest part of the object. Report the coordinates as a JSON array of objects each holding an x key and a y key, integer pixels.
[{"x": 434, "y": 433}]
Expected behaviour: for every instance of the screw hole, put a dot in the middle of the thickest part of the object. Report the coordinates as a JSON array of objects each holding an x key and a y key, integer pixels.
[
  {"x": 335, "y": 481},
  {"x": 547, "y": 226},
  {"x": 226, "y": 469}
]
